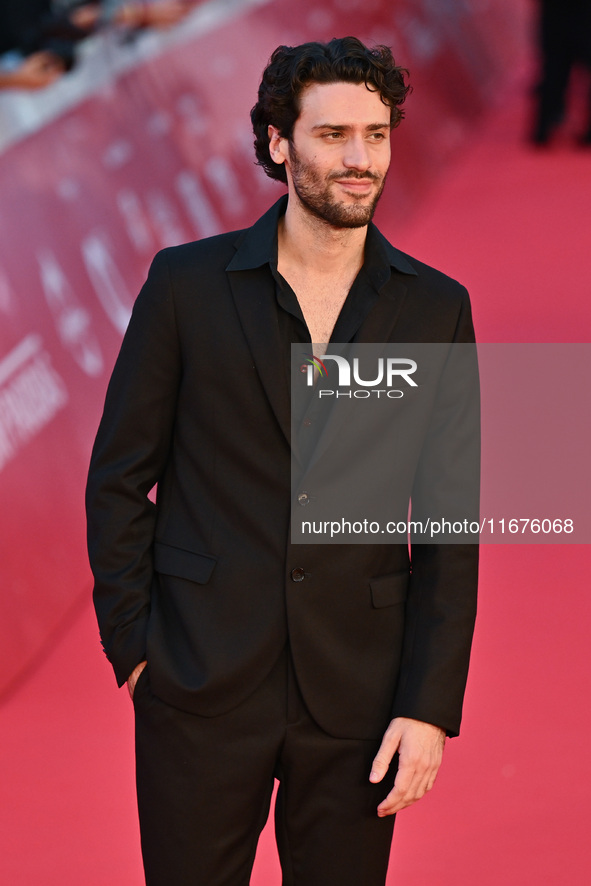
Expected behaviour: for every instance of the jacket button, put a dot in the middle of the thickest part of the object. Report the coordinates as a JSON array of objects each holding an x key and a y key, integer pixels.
[
  {"x": 303, "y": 499},
  {"x": 298, "y": 574}
]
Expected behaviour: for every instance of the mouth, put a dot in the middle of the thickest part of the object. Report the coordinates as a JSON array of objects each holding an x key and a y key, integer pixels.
[{"x": 356, "y": 185}]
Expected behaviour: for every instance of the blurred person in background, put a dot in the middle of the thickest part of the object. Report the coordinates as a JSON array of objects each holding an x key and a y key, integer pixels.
[
  {"x": 23, "y": 64},
  {"x": 564, "y": 38},
  {"x": 134, "y": 14},
  {"x": 38, "y": 38}
]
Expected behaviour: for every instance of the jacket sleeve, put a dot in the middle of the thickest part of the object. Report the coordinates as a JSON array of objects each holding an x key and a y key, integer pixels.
[
  {"x": 128, "y": 458},
  {"x": 441, "y": 603}
]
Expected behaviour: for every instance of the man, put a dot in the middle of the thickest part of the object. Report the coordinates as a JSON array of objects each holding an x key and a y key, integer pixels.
[
  {"x": 267, "y": 658},
  {"x": 564, "y": 41}
]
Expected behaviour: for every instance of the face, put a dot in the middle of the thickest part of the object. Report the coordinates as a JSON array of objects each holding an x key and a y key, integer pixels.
[{"x": 339, "y": 154}]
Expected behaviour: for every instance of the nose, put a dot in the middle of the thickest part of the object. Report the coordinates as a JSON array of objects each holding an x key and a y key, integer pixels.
[{"x": 357, "y": 154}]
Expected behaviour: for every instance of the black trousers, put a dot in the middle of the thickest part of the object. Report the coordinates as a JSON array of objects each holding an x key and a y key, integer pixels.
[{"x": 205, "y": 784}]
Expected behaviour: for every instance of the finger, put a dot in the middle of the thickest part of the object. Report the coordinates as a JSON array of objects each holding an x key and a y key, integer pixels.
[
  {"x": 134, "y": 677},
  {"x": 432, "y": 779},
  {"x": 402, "y": 794},
  {"x": 412, "y": 783},
  {"x": 380, "y": 765},
  {"x": 383, "y": 758},
  {"x": 396, "y": 800}
]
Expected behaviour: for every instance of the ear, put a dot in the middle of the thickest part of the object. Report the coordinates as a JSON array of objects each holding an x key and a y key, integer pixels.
[{"x": 277, "y": 145}]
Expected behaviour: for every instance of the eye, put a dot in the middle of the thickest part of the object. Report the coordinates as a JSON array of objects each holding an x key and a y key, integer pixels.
[{"x": 333, "y": 136}]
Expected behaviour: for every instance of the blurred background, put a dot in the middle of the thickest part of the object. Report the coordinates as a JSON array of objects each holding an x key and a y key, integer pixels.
[{"x": 124, "y": 128}]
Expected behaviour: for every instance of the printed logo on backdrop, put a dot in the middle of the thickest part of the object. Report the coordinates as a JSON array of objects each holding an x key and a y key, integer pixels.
[
  {"x": 32, "y": 393},
  {"x": 107, "y": 280},
  {"x": 72, "y": 321}
]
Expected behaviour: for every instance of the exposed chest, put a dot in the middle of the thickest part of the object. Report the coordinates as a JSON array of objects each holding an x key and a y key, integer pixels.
[{"x": 321, "y": 301}]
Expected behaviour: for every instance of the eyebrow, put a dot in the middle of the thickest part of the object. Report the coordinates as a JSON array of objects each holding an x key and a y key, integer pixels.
[{"x": 337, "y": 127}]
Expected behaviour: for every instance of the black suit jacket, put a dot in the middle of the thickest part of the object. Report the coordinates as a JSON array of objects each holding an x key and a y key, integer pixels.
[{"x": 201, "y": 583}]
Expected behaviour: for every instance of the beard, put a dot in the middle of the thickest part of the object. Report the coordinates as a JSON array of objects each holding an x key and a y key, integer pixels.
[{"x": 314, "y": 192}]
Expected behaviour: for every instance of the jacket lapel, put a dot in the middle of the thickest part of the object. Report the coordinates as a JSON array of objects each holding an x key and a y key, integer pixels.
[
  {"x": 254, "y": 296},
  {"x": 380, "y": 324},
  {"x": 253, "y": 290}
]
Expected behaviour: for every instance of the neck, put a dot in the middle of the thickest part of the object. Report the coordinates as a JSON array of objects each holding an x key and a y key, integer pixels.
[{"x": 309, "y": 241}]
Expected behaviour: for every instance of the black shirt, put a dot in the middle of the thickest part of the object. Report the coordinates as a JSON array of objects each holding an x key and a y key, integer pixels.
[{"x": 308, "y": 414}]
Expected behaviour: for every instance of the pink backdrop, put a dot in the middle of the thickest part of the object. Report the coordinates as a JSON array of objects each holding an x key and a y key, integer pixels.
[{"x": 163, "y": 155}]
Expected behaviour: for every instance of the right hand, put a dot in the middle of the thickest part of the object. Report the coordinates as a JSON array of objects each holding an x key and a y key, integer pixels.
[{"x": 133, "y": 677}]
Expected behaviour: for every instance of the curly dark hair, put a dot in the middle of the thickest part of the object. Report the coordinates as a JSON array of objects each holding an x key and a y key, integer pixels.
[{"x": 292, "y": 68}]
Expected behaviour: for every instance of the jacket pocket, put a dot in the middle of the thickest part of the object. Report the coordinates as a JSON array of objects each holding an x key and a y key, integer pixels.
[
  {"x": 195, "y": 567},
  {"x": 386, "y": 590}
]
